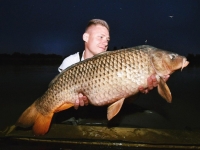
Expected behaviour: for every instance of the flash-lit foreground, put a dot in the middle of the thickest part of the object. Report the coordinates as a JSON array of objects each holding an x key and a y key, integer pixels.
[{"x": 63, "y": 136}]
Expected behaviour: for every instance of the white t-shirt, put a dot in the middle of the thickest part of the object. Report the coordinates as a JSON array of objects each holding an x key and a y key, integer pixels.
[{"x": 70, "y": 60}]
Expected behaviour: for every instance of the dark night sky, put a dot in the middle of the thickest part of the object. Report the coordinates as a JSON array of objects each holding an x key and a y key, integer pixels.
[{"x": 56, "y": 26}]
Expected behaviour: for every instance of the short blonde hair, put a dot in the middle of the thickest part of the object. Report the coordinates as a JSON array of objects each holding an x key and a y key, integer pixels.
[{"x": 97, "y": 22}]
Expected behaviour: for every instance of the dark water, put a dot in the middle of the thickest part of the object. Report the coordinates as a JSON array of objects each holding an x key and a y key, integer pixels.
[{"x": 21, "y": 85}]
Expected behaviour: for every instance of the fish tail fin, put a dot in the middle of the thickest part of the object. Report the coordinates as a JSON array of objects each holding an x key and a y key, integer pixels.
[
  {"x": 28, "y": 117},
  {"x": 31, "y": 117}
]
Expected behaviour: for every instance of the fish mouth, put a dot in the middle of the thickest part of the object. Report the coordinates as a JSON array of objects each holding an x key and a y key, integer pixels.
[{"x": 184, "y": 64}]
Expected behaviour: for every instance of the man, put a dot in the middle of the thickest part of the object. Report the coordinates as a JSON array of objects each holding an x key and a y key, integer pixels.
[{"x": 96, "y": 38}]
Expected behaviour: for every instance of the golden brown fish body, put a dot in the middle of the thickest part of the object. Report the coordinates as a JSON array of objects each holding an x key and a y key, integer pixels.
[{"x": 107, "y": 78}]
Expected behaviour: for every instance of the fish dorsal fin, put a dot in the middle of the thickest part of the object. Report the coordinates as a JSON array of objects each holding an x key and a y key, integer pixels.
[
  {"x": 164, "y": 91},
  {"x": 114, "y": 108}
]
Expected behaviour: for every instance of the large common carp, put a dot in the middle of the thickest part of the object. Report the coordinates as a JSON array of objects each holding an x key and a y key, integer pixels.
[{"x": 106, "y": 79}]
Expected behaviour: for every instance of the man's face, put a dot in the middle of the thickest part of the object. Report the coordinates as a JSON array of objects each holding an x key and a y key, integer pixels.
[{"x": 98, "y": 38}]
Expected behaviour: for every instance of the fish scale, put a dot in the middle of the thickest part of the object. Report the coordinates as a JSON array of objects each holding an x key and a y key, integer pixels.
[
  {"x": 103, "y": 75},
  {"x": 109, "y": 72},
  {"x": 106, "y": 79}
]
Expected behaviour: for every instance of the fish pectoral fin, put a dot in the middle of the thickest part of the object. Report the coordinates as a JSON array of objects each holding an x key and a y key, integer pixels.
[
  {"x": 164, "y": 91},
  {"x": 114, "y": 108},
  {"x": 63, "y": 107}
]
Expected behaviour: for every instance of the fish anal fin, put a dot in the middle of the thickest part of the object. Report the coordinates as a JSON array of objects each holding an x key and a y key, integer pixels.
[
  {"x": 164, "y": 91},
  {"x": 63, "y": 107},
  {"x": 42, "y": 123},
  {"x": 114, "y": 108}
]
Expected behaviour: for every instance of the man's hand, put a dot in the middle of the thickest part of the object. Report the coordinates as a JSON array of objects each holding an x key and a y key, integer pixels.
[
  {"x": 81, "y": 101},
  {"x": 151, "y": 83}
]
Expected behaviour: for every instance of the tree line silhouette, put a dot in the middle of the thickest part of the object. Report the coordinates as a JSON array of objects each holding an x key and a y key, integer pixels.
[
  {"x": 30, "y": 59},
  {"x": 53, "y": 59}
]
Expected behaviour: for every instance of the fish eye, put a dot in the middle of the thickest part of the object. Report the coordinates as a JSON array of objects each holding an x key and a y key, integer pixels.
[{"x": 172, "y": 56}]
